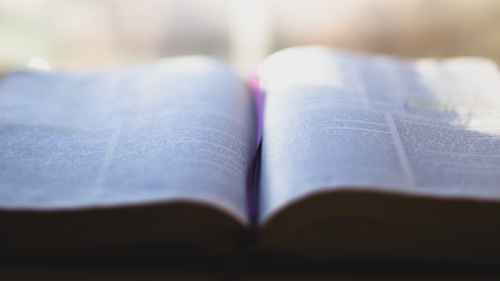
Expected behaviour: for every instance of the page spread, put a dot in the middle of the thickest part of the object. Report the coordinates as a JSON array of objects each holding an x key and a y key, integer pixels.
[{"x": 383, "y": 148}]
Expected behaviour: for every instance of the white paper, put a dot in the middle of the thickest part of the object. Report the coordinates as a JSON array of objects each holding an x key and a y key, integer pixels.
[
  {"x": 179, "y": 129},
  {"x": 335, "y": 120}
]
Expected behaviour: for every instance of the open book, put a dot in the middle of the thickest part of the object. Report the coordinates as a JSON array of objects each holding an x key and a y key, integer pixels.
[{"x": 361, "y": 157}]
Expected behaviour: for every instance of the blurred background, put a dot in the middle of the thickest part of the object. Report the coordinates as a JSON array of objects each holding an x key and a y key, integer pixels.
[{"x": 92, "y": 34}]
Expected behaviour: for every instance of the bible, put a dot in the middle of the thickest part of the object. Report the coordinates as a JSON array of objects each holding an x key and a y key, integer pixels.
[{"x": 360, "y": 156}]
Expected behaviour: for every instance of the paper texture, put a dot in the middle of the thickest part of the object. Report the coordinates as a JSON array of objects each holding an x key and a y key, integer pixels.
[
  {"x": 180, "y": 129},
  {"x": 337, "y": 120}
]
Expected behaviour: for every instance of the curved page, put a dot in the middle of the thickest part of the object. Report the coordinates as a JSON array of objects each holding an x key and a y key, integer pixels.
[
  {"x": 176, "y": 130},
  {"x": 336, "y": 120}
]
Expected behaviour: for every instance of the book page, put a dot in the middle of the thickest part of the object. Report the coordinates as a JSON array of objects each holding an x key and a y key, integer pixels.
[
  {"x": 176, "y": 130},
  {"x": 337, "y": 120}
]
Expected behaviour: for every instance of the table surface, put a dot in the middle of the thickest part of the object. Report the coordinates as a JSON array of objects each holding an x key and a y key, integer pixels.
[{"x": 158, "y": 268}]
